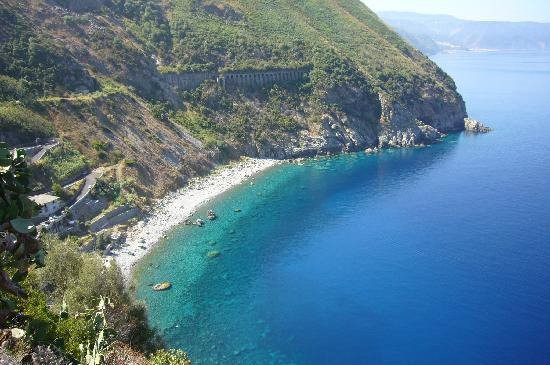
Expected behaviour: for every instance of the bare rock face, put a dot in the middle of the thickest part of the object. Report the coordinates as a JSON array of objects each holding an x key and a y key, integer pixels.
[
  {"x": 370, "y": 121},
  {"x": 409, "y": 124},
  {"x": 472, "y": 125}
]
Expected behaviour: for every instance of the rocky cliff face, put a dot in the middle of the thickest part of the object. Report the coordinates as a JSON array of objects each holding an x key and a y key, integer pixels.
[
  {"x": 122, "y": 67},
  {"x": 370, "y": 122},
  {"x": 420, "y": 122}
]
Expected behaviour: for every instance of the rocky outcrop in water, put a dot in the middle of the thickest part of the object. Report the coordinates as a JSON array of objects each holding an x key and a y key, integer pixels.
[
  {"x": 472, "y": 125},
  {"x": 371, "y": 122}
]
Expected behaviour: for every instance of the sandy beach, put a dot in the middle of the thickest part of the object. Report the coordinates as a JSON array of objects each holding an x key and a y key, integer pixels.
[{"x": 176, "y": 207}]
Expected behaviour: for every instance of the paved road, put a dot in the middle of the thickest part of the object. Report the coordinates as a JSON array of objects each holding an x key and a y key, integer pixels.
[
  {"x": 90, "y": 181},
  {"x": 43, "y": 151}
]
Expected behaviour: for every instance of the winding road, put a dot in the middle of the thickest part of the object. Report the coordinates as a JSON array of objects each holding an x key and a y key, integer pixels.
[
  {"x": 90, "y": 181},
  {"x": 43, "y": 151}
]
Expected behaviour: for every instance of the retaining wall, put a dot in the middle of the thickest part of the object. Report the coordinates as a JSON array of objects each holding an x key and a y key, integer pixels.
[
  {"x": 188, "y": 80},
  {"x": 118, "y": 215}
]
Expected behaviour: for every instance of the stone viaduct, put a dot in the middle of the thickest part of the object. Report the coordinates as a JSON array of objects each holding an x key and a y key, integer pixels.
[
  {"x": 188, "y": 80},
  {"x": 192, "y": 80}
]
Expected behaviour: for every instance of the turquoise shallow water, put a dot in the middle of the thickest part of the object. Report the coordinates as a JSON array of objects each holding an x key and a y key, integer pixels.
[{"x": 434, "y": 255}]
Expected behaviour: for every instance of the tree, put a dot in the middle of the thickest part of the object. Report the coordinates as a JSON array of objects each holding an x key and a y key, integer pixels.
[{"x": 20, "y": 249}]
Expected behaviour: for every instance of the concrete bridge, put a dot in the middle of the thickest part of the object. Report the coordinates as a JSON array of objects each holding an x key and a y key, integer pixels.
[{"x": 192, "y": 80}]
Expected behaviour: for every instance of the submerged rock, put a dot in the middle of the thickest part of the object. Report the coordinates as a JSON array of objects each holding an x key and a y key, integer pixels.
[
  {"x": 213, "y": 254},
  {"x": 372, "y": 151},
  {"x": 199, "y": 222},
  {"x": 211, "y": 215},
  {"x": 162, "y": 286},
  {"x": 472, "y": 125}
]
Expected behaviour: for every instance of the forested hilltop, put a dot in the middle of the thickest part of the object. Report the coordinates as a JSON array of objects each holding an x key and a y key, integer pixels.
[{"x": 94, "y": 74}]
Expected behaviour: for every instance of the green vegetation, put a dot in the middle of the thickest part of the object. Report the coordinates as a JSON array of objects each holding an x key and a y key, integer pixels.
[
  {"x": 11, "y": 89},
  {"x": 71, "y": 283},
  {"x": 69, "y": 301},
  {"x": 203, "y": 128},
  {"x": 64, "y": 162},
  {"x": 71, "y": 277},
  {"x": 146, "y": 19},
  {"x": 344, "y": 44},
  {"x": 69, "y": 193},
  {"x": 108, "y": 88},
  {"x": 117, "y": 192},
  {"x": 220, "y": 118},
  {"x": 170, "y": 357},
  {"x": 38, "y": 64},
  {"x": 160, "y": 110},
  {"x": 105, "y": 59},
  {"x": 101, "y": 148},
  {"x": 21, "y": 124},
  {"x": 265, "y": 34},
  {"x": 57, "y": 190},
  {"x": 19, "y": 247}
]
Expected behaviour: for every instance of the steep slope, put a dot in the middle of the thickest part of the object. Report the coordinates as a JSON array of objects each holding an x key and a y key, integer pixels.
[
  {"x": 106, "y": 77},
  {"x": 367, "y": 86}
]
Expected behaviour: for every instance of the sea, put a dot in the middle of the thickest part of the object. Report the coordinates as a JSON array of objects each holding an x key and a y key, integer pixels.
[{"x": 435, "y": 255}]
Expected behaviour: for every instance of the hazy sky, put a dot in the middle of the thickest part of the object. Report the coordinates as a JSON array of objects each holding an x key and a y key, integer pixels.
[{"x": 514, "y": 10}]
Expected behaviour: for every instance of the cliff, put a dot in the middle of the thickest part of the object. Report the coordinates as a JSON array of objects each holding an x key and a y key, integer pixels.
[{"x": 146, "y": 85}]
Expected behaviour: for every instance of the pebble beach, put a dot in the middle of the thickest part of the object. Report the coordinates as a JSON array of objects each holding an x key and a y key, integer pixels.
[{"x": 175, "y": 208}]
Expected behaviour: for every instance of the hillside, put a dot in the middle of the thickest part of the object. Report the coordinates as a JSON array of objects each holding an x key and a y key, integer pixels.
[
  {"x": 435, "y": 33},
  {"x": 105, "y": 78}
]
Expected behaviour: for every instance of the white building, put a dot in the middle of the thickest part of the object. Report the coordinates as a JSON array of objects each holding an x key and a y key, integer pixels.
[{"x": 49, "y": 204}]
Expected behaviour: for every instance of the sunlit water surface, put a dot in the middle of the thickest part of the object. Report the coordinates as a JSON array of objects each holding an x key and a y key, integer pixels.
[{"x": 438, "y": 255}]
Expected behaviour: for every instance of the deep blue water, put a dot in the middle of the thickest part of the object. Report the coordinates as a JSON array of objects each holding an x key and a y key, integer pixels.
[{"x": 438, "y": 255}]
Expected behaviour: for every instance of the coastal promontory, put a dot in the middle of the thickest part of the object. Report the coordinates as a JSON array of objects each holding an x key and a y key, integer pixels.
[{"x": 166, "y": 90}]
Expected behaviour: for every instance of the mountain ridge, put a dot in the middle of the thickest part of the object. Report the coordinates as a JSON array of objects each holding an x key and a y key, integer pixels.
[{"x": 433, "y": 33}]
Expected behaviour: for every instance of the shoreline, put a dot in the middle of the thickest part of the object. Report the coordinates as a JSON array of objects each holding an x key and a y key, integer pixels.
[{"x": 176, "y": 207}]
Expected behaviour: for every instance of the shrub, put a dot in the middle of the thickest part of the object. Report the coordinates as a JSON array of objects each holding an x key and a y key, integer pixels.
[
  {"x": 20, "y": 124},
  {"x": 170, "y": 357},
  {"x": 11, "y": 89},
  {"x": 130, "y": 162},
  {"x": 102, "y": 155},
  {"x": 74, "y": 332},
  {"x": 79, "y": 279},
  {"x": 93, "y": 280},
  {"x": 63, "y": 264},
  {"x": 107, "y": 188},
  {"x": 207, "y": 130},
  {"x": 63, "y": 162},
  {"x": 99, "y": 145},
  {"x": 58, "y": 190},
  {"x": 41, "y": 324},
  {"x": 160, "y": 110},
  {"x": 102, "y": 240},
  {"x": 19, "y": 246}
]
